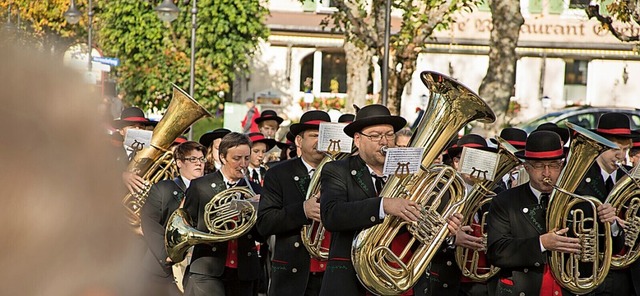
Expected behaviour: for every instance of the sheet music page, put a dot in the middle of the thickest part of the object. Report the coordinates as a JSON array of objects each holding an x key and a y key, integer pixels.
[
  {"x": 331, "y": 136},
  {"x": 138, "y": 139},
  {"x": 405, "y": 160},
  {"x": 635, "y": 173},
  {"x": 478, "y": 163}
]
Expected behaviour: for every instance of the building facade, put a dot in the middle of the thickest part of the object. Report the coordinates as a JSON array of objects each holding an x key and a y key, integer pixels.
[{"x": 564, "y": 59}]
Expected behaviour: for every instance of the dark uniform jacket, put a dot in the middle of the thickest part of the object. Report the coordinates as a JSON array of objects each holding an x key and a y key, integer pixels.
[
  {"x": 210, "y": 259},
  {"x": 281, "y": 213},
  {"x": 164, "y": 198},
  {"x": 516, "y": 221},
  {"x": 347, "y": 204}
]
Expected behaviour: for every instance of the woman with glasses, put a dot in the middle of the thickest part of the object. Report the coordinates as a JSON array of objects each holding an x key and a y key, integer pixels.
[{"x": 164, "y": 198}]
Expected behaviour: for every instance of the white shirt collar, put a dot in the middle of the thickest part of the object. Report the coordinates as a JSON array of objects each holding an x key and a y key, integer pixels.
[
  {"x": 186, "y": 181},
  {"x": 536, "y": 192},
  {"x": 372, "y": 173},
  {"x": 606, "y": 175},
  {"x": 307, "y": 166}
]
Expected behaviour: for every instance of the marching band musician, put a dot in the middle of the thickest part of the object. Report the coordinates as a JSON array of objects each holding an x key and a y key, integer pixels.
[
  {"x": 517, "y": 138},
  {"x": 634, "y": 152},
  {"x": 445, "y": 278},
  {"x": 232, "y": 267},
  {"x": 163, "y": 199},
  {"x": 350, "y": 195},
  {"x": 131, "y": 118},
  {"x": 284, "y": 211},
  {"x": 260, "y": 146},
  {"x": 269, "y": 123},
  {"x": 517, "y": 242},
  {"x": 599, "y": 181},
  {"x": 211, "y": 140}
]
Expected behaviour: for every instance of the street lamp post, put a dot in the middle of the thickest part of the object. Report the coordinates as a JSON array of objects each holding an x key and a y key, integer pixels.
[
  {"x": 72, "y": 15},
  {"x": 168, "y": 12}
]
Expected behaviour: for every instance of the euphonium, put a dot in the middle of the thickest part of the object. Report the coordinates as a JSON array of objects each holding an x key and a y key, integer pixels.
[
  {"x": 313, "y": 235},
  {"x": 451, "y": 107},
  {"x": 579, "y": 273},
  {"x": 481, "y": 194},
  {"x": 625, "y": 198},
  {"x": 155, "y": 163},
  {"x": 228, "y": 215}
]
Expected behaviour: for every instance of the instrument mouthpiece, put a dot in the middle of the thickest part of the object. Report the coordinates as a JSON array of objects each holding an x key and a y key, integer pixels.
[{"x": 383, "y": 150}]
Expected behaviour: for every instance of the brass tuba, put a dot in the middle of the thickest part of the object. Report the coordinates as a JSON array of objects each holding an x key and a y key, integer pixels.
[
  {"x": 156, "y": 163},
  {"x": 579, "y": 273},
  {"x": 313, "y": 235},
  {"x": 228, "y": 215},
  {"x": 451, "y": 107},
  {"x": 625, "y": 198},
  {"x": 481, "y": 195}
]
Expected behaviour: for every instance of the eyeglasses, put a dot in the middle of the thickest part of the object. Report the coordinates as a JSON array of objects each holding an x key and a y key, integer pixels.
[
  {"x": 377, "y": 137},
  {"x": 194, "y": 159},
  {"x": 541, "y": 166}
]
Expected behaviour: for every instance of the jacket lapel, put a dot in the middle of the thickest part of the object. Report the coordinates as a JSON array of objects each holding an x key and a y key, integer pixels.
[
  {"x": 361, "y": 176},
  {"x": 301, "y": 177},
  {"x": 532, "y": 210},
  {"x": 178, "y": 195}
]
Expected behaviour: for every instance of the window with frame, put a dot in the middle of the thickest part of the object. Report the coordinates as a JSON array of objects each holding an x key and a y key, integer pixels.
[
  {"x": 578, "y": 4},
  {"x": 575, "y": 72},
  {"x": 333, "y": 76}
]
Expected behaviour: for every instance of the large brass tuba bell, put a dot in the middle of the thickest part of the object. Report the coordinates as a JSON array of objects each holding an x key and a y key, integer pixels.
[
  {"x": 314, "y": 235},
  {"x": 481, "y": 195},
  {"x": 451, "y": 107},
  {"x": 625, "y": 198},
  {"x": 228, "y": 215},
  {"x": 156, "y": 163},
  {"x": 579, "y": 273}
]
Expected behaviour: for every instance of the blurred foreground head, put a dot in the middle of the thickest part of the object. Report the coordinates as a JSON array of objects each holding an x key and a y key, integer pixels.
[{"x": 63, "y": 226}]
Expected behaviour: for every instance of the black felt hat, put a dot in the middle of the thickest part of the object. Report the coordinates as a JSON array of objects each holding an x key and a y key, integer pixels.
[
  {"x": 309, "y": 120},
  {"x": 374, "y": 115},
  {"x": 515, "y": 136},
  {"x": 207, "y": 138},
  {"x": 615, "y": 124},
  {"x": 269, "y": 115},
  {"x": 260, "y": 138},
  {"x": 542, "y": 145},
  {"x": 563, "y": 132},
  {"x": 471, "y": 141},
  {"x": 346, "y": 118},
  {"x": 132, "y": 115}
]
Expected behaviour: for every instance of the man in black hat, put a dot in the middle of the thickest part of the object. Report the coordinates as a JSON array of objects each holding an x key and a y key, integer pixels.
[
  {"x": 445, "y": 278},
  {"x": 284, "y": 210},
  {"x": 599, "y": 181},
  {"x": 563, "y": 132},
  {"x": 131, "y": 118},
  {"x": 517, "y": 242},
  {"x": 350, "y": 198},
  {"x": 517, "y": 138},
  {"x": 211, "y": 140}
]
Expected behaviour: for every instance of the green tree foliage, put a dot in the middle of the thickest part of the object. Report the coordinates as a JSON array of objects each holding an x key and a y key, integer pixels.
[
  {"x": 154, "y": 54},
  {"x": 626, "y": 12}
]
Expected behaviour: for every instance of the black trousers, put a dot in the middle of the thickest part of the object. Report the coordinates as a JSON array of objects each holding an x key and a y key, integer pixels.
[{"x": 226, "y": 285}]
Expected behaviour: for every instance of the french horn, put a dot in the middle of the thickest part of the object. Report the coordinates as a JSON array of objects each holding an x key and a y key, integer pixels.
[
  {"x": 625, "y": 198},
  {"x": 228, "y": 215},
  {"x": 579, "y": 273},
  {"x": 480, "y": 196},
  {"x": 155, "y": 163},
  {"x": 380, "y": 270}
]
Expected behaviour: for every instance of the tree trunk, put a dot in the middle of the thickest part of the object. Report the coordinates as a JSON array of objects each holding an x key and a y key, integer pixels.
[
  {"x": 358, "y": 64},
  {"x": 398, "y": 80},
  {"x": 497, "y": 86}
]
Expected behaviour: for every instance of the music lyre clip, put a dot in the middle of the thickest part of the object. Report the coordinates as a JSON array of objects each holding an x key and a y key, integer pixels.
[
  {"x": 334, "y": 148},
  {"x": 402, "y": 171}
]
